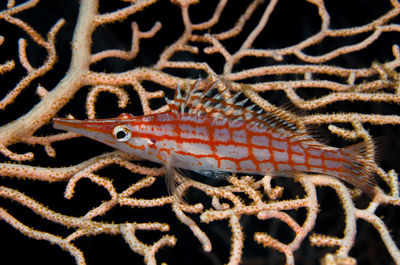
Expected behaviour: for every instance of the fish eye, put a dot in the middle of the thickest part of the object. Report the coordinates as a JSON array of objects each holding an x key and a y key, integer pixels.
[{"x": 121, "y": 133}]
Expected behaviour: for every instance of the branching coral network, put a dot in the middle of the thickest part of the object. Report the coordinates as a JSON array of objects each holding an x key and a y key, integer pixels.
[{"x": 228, "y": 42}]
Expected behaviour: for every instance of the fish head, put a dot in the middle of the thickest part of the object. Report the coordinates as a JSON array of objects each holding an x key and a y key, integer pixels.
[{"x": 115, "y": 132}]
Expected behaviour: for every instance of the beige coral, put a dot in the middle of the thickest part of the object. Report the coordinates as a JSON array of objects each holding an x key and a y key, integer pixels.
[{"x": 259, "y": 197}]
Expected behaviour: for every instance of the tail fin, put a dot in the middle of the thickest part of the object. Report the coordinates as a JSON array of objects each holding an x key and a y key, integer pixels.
[{"x": 357, "y": 169}]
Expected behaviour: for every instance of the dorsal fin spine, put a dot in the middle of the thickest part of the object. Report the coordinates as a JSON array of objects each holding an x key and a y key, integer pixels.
[
  {"x": 169, "y": 101},
  {"x": 205, "y": 105},
  {"x": 237, "y": 94},
  {"x": 251, "y": 107},
  {"x": 242, "y": 103},
  {"x": 178, "y": 91}
]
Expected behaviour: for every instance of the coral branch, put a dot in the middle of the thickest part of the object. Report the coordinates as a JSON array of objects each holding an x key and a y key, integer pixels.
[{"x": 335, "y": 65}]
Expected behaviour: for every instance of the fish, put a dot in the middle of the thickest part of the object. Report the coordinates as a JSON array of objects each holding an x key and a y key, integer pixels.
[{"x": 216, "y": 132}]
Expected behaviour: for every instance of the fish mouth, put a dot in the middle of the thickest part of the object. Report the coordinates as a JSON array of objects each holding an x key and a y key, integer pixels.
[{"x": 84, "y": 127}]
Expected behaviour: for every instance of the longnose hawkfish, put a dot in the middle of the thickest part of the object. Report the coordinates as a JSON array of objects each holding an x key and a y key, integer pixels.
[{"x": 214, "y": 134}]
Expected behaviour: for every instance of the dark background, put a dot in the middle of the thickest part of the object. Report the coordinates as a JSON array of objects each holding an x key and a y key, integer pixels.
[{"x": 291, "y": 22}]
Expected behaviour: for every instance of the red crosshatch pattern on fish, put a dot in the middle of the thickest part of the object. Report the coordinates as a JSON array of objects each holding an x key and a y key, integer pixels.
[{"x": 208, "y": 131}]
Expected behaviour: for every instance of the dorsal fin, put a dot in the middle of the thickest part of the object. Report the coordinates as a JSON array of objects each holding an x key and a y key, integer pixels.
[
  {"x": 180, "y": 103},
  {"x": 204, "y": 96}
]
